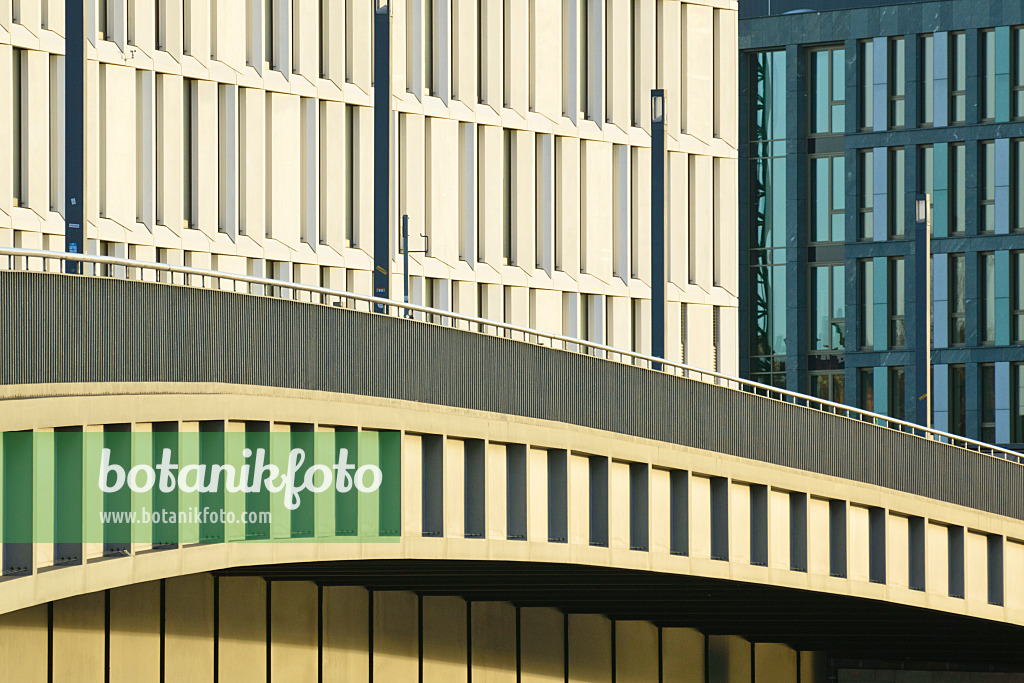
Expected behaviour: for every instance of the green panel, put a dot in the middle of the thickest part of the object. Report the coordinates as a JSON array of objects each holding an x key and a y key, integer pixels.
[
  {"x": 327, "y": 456},
  {"x": 165, "y": 503},
  {"x": 257, "y": 501},
  {"x": 281, "y": 520},
  {"x": 940, "y": 205},
  {"x": 142, "y": 501},
  {"x": 390, "y": 493},
  {"x": 880, "y": 272},
  {"x": 234, "y": 501},
  {"x": 43, "y": 476},
  {"x": 1002, "y": 288},
  {"x": 346, "y": 504},
  {"x": 303, "y": 518},
  {"x": 1003, "y": 53},
  {"x": 211, "y": 503},
  {"x": 369, "y": 505},
  {"x": 120, "y": 445},
  {"x": 67, "y": 487},
  {"x": 17, "y": 487}
]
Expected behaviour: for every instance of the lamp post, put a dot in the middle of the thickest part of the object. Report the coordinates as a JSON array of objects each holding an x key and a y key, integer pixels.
[
  {"x": 923, "y": 310},
  {"x": 382, "y": 154},
  {"x": 658, "y": 225}
]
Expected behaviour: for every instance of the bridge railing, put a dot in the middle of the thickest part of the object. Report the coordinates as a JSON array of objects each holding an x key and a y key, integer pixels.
[{"x": 146, "y": 271}]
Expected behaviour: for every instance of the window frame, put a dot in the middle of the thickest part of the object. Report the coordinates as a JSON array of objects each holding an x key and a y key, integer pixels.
[
  {"x": 957, "y": 71},
  {"x": 831, "y": 103},
  {"x": 896, "y": 86}
]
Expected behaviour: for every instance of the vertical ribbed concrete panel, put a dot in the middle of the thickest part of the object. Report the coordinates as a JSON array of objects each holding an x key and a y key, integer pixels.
[
  {"x": 860, "y": 544},
  {"x": 579, "y": 499},
  {"x": 78, "y": 635},
  {"x": 537, "y": 526},
  {"x": 682, "y": 655},
  {"x": 729, "y": 660},
  {"x": 293, "y": 631},
  {"x": 976, "y": 552},
  {"x": 413, "y": 489},
  {"x": 494, "y": 642},
  {"x": 242, "y": 632},
  {"x": 496, "y": 477},
  {"x": 618, "y": 504},
  {"x": 1014, "y": 557},
  {"x": 898, "y": 551},
  {"x": 188, "y": 628},
  {"x": 775, "y": 663},
  {"x": 817, "y": 536},
  {"x": 739, "y": 527},
  {"x": 454, "y": 493},
  {"x": 135, "y": 633},
  {"x": 542, "y": 645},
  {"x": 590, "y": 649},
  {"x": 346, "y": 634},
  {"x": 937, "y": 561},
  {"x": 23, "y": 647},
  {"x": 661, "y": 511},
  {"x": 813, "y": 667},
  {"x": 395, "y": 636},
  {"x": 444, "y": 640},
  {"x": 636, "y": 652}
]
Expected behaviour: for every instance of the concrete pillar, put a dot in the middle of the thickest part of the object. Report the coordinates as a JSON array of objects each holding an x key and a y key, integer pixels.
[
  {"x": 346, "y": 634},
  {"x": 395, "y": 636},
  {"x": 293, "y": 631},
  {"x": 444, "y": 640},
  {"x": 242, "y": 634},
  {"x": 774, "y": 663},
  {"x": 494, "y": 642},
  {"x": 636, "y": 652},
  {"x": 23, "y": 647},
  {"x": 78, "y": 635},
  {"x": 682, "y": 655},
  {"x": 135, "y": 633},
  {"x": 188, "y": 628},
  {"x": 729, "y": 659},
  {"x": 542, "y": 639},
  {"x": 590, "y": 648}
]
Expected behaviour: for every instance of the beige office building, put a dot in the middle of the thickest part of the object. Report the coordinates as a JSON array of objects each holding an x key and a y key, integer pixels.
[{"x": 237, "y": 135}]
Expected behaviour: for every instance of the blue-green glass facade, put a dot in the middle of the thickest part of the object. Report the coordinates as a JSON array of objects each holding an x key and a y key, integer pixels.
[{"x": 847, "y": 114}]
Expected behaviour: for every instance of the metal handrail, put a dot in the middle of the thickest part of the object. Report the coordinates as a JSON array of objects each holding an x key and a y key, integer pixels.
[{"x": 287, "y": 290}]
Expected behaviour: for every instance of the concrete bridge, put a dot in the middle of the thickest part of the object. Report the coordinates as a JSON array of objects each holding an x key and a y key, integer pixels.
[{"x": 556, "y": 510}]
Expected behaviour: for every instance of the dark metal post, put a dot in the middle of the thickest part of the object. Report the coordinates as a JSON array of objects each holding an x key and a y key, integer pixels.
[
  {"x": 382, "y": 154},
  {"x": 923, "y": 311},
  {"x": 74, "y": 130},
  {"x": 658, "y": 225}
]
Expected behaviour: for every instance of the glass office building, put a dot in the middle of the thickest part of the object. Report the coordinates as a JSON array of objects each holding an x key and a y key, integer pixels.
[{"x": 848, "y": 113}]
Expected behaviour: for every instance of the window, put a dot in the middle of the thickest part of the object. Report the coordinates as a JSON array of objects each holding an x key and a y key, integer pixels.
[
  {"x": 1017, "y": 180},
  {"x": 957, "y": 77},
  {"x": 866, "y": 296},
  {"x": 926, "y": 171},
  {"x": 897, "y": 82},
  {"x": 897, "y": 194},
  {"x": 957, "y": 300},
  {"x": 351, "y": 142},
  {"x": 926, "y": 75},
  {"x": 101, "y": 20},
  {"x": 866, "y": 385},
  {"x": 987, "y": 377},
  {"x": 186, "y": 28},
  {"x": 1018, "y": 72},
  {"x": 188, "y": 156},
  {"x": 507, "y": 251},
  {"x": 988, "y": 75},
  {"x": 321, "y": 28},
  {"x": 830, "y": 386},
  {"x": 828, "y": 199},
  {"x": 1017, "y": 296},
  {"x": 897, "y": 303},
  {"x": 269, "y": 60},
  {"x": 828, "y": 87},
  {"x": 957, "y": 402},
  {"x": 583, "y": 58},
  {"x": 1017, "y": 408},
  {"x": 867, "y": 84},
  {"x": 987, "y": 186},
  {"x": 897, "y": 393},
  {"x": 768, "y": 233},
  {"x": 867, "y": 194},
  {"x": 828, "y": 290},
  {"x": 958, "y": 177},
  {"x": 429, "y": 83},
  {"x": 19, "y": 65},
  {"x": 987, "y": 265}
]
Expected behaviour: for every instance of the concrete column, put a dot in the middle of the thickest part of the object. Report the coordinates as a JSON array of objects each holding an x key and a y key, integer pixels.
[
  {"x": 590, "y": 649},
  {"x": 636, "y": 652},
  {"x": 23, "y": 649},
  {"x": 682, "y": 655},
  {"x": 494, "y": 642},
  {"x": 242, "y": 629},
  {"x": 293, "y": 631},
  {"x": 346, "y": 630},
  {"x": 395, "y": 636},
  {"x": 729, "y": 660},
  {"x": 542, "y": 639},
  {"x": 78, "y": 635},
  {"x": 775, "y": 663},
  {"x": 444, "y": 639},
  {"x": 135, "y": 633}
]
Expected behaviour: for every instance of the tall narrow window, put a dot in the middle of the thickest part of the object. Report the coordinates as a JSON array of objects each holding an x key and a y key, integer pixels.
[
  {"x": 428, "y": 48},
  {"x": 867, "y": 194},
  {"x": 158, "y": 28},
  {"x": 187, "y": 151},
  {"x": 1017, "y": 405},
  {"x": 897, "y": 303},
  {"x": 351, "y": 174},
  {"x": 897, "y": 82},
  {"x": 828, "y": 196},
  {"x": 1017, "y": 195},
  {"x": 186, "y": 27},
  {"x": 987, "y": 186},
  {"x": 269, "y": 60},
  {"x": 897, "y": 194},
  {"x": 987, "y": 377},
  {"x": 1018, "y": 72},
  {"x": 101, "y": 20},
  {"x": 957, "y": 77},
  {"x": 987, "y": 265},
  {"x": 867, "y": 84},
  {"x": 866, "y": 380},
  {"x": 18, "y": 68},
  {"x": 828, "y": 85},
  {"x": 926, "y": 66},
  {"x": 508, "y": 199},
  {"x": 897, "y": 393},
  {"x": 957, "y": 403},
  {"x": 321, "y": 28},
  {"x": 957, "y": 300},
  {"x": 958, "y": 177},
  {"x": 866, "y": 296},
  {"x": 828, "y": 323},
  {"x": 1017, "y": 296},
  {"x": 583, "y": 58},
  {"x": 988, "y": 75}
]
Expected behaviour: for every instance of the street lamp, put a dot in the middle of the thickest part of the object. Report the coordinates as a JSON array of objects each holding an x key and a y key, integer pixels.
[
  {"x": 382, "y": 154},
  {"x": 923, "y": 297}
]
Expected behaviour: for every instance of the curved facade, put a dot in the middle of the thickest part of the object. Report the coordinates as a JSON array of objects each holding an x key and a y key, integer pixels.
[{"x": 238, "y": 136}]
